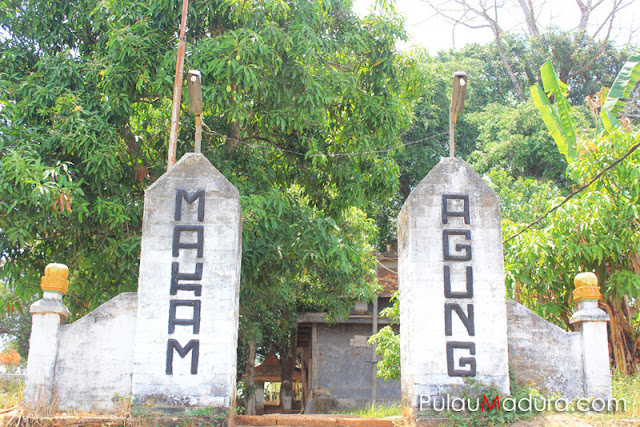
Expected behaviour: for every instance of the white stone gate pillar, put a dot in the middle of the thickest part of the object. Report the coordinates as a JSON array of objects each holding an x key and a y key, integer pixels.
[
  {"x": 47, "y": 315},
  {"x": 453, "y": 321},
  {"x": 188, "y": 288}
]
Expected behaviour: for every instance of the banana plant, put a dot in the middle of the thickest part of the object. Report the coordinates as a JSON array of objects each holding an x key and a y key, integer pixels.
[
  {"x": 556, "y": 116},
  {"x": 621, "y": 89}
]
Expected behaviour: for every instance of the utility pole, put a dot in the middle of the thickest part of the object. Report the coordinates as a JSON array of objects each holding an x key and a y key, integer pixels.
[
  {"x": 457, "y": 106},
  {"x": 177, "y": 87}
]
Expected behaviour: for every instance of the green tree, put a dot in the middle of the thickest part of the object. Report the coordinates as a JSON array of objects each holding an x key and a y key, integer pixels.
[
  {"x": 514, "y": 139},
  {"x": 597, "y": 230},
  {"x": 304, "y": 102}
]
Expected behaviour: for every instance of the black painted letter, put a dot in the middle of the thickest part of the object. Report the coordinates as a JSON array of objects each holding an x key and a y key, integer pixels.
[
  {"x": 192, "y": 346},
  {"x": 178, "y": 244},
  {"x": 467, "y": 320},
  {"x": 447, "y": 284},
  {"x": 182, "y": 194},
  {"x": 194, "y": 321},
  {"x": 176, "y": 276},
  {"x": 459, "y": 246},
  {"x": 464, "y": 361},
  {"x": 446, "y": 213}
]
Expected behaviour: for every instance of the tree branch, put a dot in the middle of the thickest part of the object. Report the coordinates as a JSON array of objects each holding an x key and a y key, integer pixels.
[{"x": 489, "y": 14}]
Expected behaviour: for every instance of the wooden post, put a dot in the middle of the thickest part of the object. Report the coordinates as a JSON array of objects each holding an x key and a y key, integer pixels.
[
  {"x": 457, "y": 106},
  {"x": 177, "y": 87}
]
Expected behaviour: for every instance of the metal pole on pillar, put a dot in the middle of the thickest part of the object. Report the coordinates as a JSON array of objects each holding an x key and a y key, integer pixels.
[
  {"x": 177, "y": 87},
  {"x": 457, "y": 106},
  {"x": 195, "y": 104}
]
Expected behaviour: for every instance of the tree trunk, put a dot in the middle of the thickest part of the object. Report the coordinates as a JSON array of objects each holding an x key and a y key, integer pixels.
[
  {"x": 585, "y": 11},
  {"x": 233, "y": 135},
  {"x": 507, "y": 66},
  {"x": 287, "y": 367},
  {"x": 305, "y": 374},
  {"x": 530, "y": 17},
  {"x": 621, "y": 341},
  {"x": 250, "y": 404},
  {"x": 405, "y": 190}
]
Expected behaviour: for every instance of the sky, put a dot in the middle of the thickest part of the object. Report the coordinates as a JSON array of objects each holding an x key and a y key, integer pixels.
[{"x": 433, "y": 32}]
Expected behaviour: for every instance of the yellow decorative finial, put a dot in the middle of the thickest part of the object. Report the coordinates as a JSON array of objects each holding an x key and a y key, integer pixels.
[
  {"x": 586, "y": 287},
  {"x": 55, "y": 278}
]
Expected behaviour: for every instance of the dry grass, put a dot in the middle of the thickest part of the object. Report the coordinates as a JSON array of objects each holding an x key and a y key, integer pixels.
[
  {"x": 13, "y": 414},
  {"x": 628, "y": 387},
  {"x": 11, "y": 395}
]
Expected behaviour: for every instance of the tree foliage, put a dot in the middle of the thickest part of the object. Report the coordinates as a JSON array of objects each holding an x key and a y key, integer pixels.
[
  {"x": 620, "y": 93},
  {"x": 557, "y": 116},
  {"x": 304, "y": 104},
  {"x": 595, "y": 231},
  {"x": 387, "y": 343},
  {"x": 513, "y": 139}
]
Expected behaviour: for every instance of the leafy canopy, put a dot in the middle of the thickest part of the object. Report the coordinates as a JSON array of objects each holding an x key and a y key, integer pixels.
[{"x": 303, "y": 101}]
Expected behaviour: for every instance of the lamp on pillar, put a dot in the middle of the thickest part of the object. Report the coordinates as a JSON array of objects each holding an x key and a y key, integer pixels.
[
  {"x": 591, "y": 322},
  {"x": 194, "y": 82},
  {"x": 457, "y": 106}
]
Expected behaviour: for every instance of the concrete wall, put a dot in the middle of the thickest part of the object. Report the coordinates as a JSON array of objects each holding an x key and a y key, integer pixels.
[
  {"x": 343, "y": 369},
  {"x": 95, "y": 356},
  {"x": 95, "y": 359},
  {"x": 544, "y": 354}
]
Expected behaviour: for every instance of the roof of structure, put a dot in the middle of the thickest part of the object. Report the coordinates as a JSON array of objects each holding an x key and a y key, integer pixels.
[{"x": 269, "y": 370}]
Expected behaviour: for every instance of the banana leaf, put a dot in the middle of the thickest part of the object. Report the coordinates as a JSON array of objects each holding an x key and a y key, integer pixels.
[
  {"x": 557, "y": 117},
  {"x": 620, "y": 91}
]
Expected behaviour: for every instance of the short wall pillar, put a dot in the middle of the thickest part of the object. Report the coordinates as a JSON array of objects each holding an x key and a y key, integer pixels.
[
  {"x": 259, "y": 394},
  {"x": 47, "y": 315},
  {"x": 591, "y": 322}
]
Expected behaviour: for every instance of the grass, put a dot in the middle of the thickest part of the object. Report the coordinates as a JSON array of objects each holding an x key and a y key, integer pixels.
[
  {"x": 11, "y": 394},
  {"x": 379, "y": 411},
  {"x": 627, "y": 387}
]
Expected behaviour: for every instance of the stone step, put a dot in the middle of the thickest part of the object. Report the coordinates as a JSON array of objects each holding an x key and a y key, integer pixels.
[{"x": 319, "y": 420}]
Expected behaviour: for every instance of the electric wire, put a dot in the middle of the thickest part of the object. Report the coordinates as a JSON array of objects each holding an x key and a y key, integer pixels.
[
  {"x": 342, "y": 154},
  {"x": 546, "y": 214},
  {"x": 574, "y": 193}
]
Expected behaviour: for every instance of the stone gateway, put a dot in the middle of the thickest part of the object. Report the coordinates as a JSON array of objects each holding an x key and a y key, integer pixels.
[{"x": 173, "y": 343}]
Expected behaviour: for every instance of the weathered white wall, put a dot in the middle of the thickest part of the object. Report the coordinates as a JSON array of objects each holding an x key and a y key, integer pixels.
[
  {"x": 421, "y": 281},
  {"x": 95, "y": 356},
  {"x": 542, "y": 353},
  {"x": 214, "y": 382}
]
